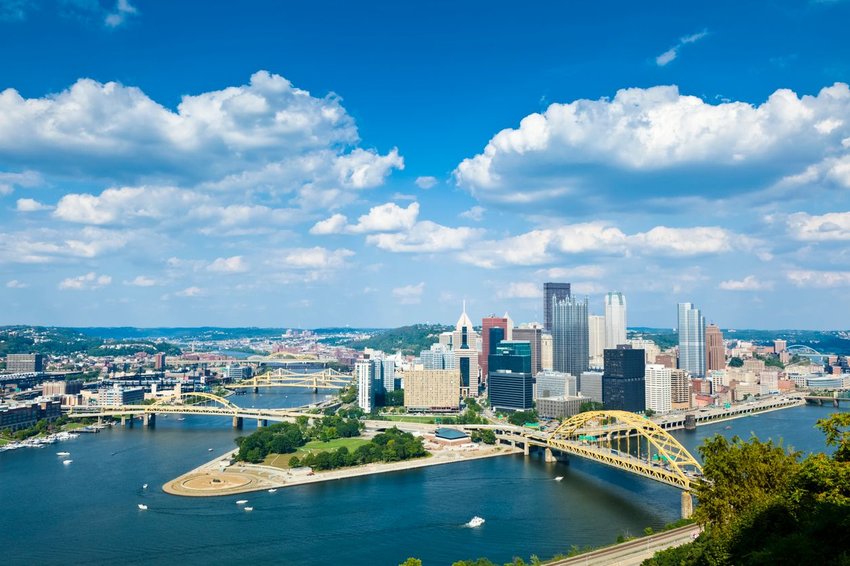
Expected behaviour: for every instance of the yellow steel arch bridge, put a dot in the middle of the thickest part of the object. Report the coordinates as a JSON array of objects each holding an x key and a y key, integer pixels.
[
  {"x": 327, "y": 378},
  {"x": 195, "y": 403}
]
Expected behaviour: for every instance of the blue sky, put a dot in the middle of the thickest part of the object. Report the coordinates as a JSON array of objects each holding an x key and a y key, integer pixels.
[{"x": 375, "y": 164}]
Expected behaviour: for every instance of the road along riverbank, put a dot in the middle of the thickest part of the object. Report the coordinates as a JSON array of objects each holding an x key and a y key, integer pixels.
[{"x": 221, "y": 477}]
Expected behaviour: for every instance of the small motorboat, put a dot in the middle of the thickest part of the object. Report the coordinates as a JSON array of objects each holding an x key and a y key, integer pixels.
[
  {"x": 475, "y": 522},
  {"x": 209, "y": 449},
  {"x": 143, "y": 507},
  {"x": 559, "y": 478},
  {"x": 249, "y": 509},
  {"x": 144, "y": 486},
  {"x": 66, "y": 462},
  {"x": 242, "y": 502},
  {"x": 272, "y": 490},
  {"x": 63, "y": 453}
]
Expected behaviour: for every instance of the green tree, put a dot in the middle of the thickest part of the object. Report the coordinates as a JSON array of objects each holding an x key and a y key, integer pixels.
[
  {"x": 589, "y": 406},
  {"x": 411, "y": 562},
  {"x": 736, "y": 362}
]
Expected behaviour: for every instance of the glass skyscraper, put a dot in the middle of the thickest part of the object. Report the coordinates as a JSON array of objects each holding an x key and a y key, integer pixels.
[
  {"x": 691, "y": 340},
  {"x": 511, "y": 383},
  {"x": 559, "y": 291},
  {"x": 570, "y": 349}
]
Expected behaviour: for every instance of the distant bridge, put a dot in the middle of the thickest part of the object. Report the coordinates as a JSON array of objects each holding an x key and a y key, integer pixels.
[
  {"x": 324, "y": 379},
  {"x": 178, "y": 406},
  {"x": 806, "y": 352}
]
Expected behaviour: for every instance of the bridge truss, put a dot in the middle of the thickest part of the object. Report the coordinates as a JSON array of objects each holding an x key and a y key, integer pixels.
[
  {"x": 628, "y": 442},
  {"x": 324, "y": 379}
]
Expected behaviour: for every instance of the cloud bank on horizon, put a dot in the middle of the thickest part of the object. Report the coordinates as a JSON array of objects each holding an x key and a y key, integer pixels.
[{"x": 260, "y": 204}]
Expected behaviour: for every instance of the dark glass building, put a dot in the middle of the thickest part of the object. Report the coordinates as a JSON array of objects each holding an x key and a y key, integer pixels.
[
  {"x": 623, "y": 382},
  {"x": 511, "y": 382},
  {"x": 560, "y": 291}
]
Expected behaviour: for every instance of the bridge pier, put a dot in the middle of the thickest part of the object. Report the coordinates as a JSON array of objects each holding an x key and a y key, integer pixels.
[
  {"x": 149, "y": 420},
  {"x": 548, "y": 456},
  {"x": 525, "y": 449},
  {"x": 687, "y": 505},
  {"x": 127, "y": 421},
  {"x": 262, "y": 422},
  {"x": 100, "y": 420},
  {"x": 237, "y": 422},
  {"x": 256, "y": 389},
  {"x": 835, "y": 402}
]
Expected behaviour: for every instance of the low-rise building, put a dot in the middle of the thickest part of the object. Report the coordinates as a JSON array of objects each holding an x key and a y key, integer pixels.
[
  {"x": 432, "y": 389},
  {"x": 24, "y": 415},
  {"x": 116, "y": 396},
  {"x": 560, "y": 407}
]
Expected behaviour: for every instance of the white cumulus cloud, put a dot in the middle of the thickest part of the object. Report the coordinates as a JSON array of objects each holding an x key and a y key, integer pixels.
[
  {"x": 425, "y": 237},
  {"x": 813, "y": 279},
  {"x": 86, "y": 282},
  {"x": 233, "y": 264},
  {"x": 30, "y": 205},
  {"x": 15, "y": 284},
  {"x": 387, "y": 217},
  {"x": 833, "y": 226},
  {"x": 409, "y": 294},
  {"x": 426, "y": 182},
  {"x": 141, "y": 281},
  {"x": 748, "y": 283},
  {"x": 521, "y": 290}
]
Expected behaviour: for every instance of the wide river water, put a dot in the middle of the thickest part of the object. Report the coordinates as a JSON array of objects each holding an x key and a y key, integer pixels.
[{"x": 86, "y": 512}]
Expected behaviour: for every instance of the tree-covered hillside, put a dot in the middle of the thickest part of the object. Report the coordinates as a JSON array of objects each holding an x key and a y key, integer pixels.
[{"x": 410, "y": 340}]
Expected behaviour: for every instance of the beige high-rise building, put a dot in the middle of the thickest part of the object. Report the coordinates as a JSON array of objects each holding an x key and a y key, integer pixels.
[
  {"x": 465, "y": 343},
  {"x": 649, "y": 347},
  {"x": 680, "y": 389},
  {"x": 715, "y": 351},
  {"x": 658, "y": 388},
  {"x": 596, "y": 339},
  {"x": 546, "y": 351},
  {"x": 432, "y": 389}
]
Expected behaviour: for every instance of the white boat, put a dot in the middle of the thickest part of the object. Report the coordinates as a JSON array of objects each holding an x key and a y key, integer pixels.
[
  {"x": 143, "y": 507},
  {"x": 144, "y": 486},
  {"x": 209, "y": 449},
  {"x": 63, "y": 453},
  {"x": 475, "y": 522},
  {"x": 559, "y": 478},
  {"x": 272, "y": 490},
  {"x": 249, "y": 508},
  {"x": 66, "y": 462},
  {"x": 242, "y": 502}
]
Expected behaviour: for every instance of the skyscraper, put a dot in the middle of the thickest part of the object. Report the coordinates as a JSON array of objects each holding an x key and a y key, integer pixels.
[
  {"x": 569, "y": 335},
  {"x": 534, "y": 337},
  {"x": 715, "y": 351},
  {"x": 623, "y": 383},
  {"x": 615, "y": 319},
  {"x": 364, "y": 370},
  {"x": 466, "y": 354},
  {"x": 546, "y": 362},
  {"x": 691, "y": 340},
  {"x": 596, "y": 343},
  {"x": 494, "y": 329},
  {"x": 559, "y": 291},
  {"x": 659, "y": 386},
  {"x": 511, "y": 383}
]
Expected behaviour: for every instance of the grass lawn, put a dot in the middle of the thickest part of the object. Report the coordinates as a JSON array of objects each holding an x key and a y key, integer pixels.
[
  {"x": 73, "y": 425},
  {"x": 409, "y": 419},
  {"x": 282, "y": 460},
  {"x": 4, "y": 441}
]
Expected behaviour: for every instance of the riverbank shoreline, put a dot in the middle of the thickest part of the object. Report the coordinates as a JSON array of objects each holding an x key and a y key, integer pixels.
[
  {"x": 214, "y": 479},
  {"x": 677, "y": 422}
]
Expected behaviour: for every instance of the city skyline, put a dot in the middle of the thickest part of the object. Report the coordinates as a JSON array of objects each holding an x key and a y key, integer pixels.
[{"x": 154, "y": 174}]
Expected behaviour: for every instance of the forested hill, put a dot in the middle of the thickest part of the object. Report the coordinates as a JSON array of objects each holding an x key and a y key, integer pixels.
[{"x": 410, "y": 340}]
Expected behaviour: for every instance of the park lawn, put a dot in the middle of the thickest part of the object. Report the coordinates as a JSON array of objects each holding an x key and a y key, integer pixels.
[
  {"x": 73, "y": 425},
  {"x": 282, "y": 460},
  {"x": 409, "y": 419}
]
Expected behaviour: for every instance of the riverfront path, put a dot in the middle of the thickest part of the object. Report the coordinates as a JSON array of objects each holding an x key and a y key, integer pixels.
[{"x": 633, "y": 552}]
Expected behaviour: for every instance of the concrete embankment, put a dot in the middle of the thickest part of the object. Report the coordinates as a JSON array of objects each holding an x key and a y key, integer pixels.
[{"x": 711, "y": 415}]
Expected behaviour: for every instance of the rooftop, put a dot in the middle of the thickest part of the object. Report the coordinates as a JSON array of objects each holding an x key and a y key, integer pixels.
[{"x": 450, "y": 434}]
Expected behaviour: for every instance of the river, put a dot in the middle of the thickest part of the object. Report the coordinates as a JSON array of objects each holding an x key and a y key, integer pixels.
[{"x": 86, "y": 512}]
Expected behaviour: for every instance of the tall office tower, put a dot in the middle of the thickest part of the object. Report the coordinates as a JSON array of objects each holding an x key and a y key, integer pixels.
[
  {"x": 659, "y": 386},
  {"x": 680, "y": 390},
  {"x": 615, "y": 319},
  {"x": 364, "y": 371},
  {"x": 494, "y": 329},
  {"x": 596, "y": 343},
  {"x": 691, "y": 340},
  {"x": 623, "y": 383},
  {"x": 159, "y": 361},
  {"x": 466, "y": 354},
  {"x": 560, "y": 291},
  {"x": 546, "y": 346},
  {"x": 534, "y": 337},
  {"x": 570, "y": 335},
  {"x": 511, "y": 382},
  {"x": 715, "y": 351},
  {"x": 388, "y": 374}
]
